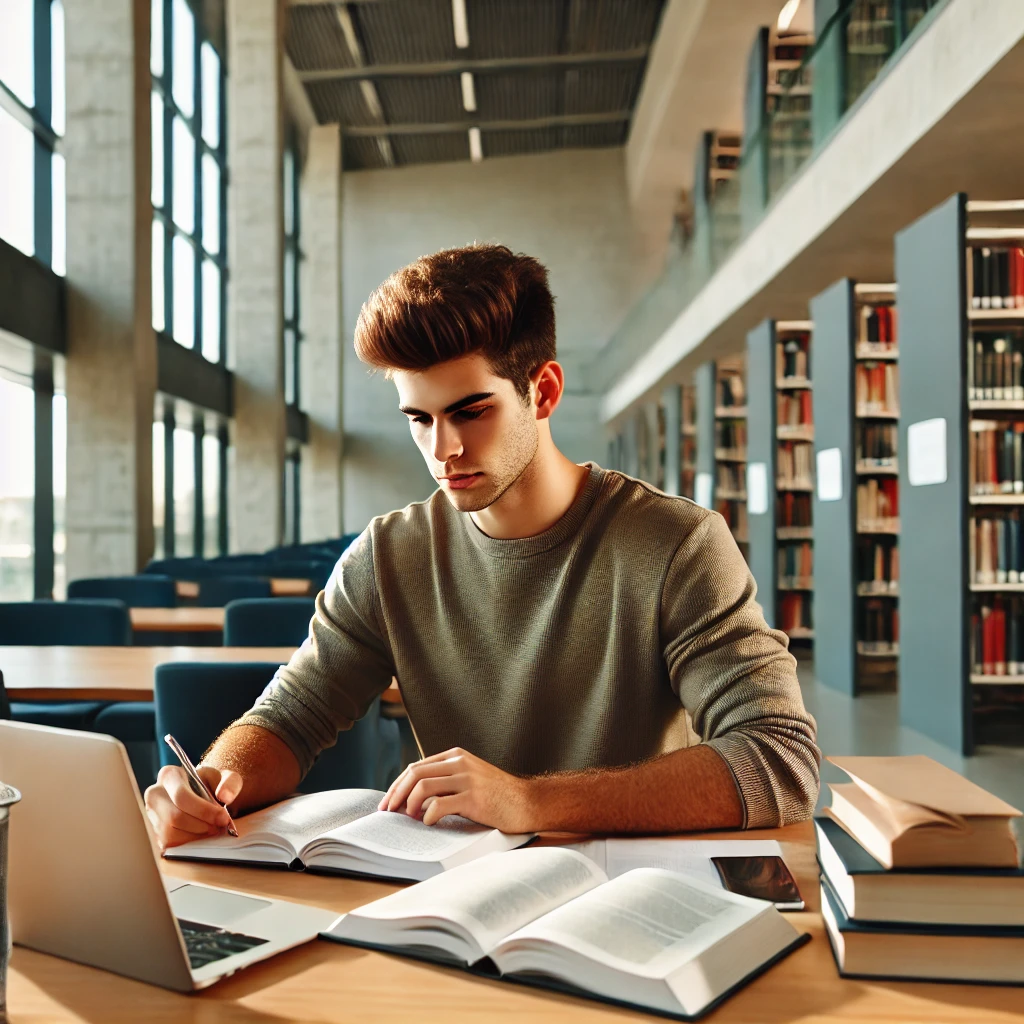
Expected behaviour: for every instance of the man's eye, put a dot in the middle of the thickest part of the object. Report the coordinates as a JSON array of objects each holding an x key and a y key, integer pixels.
[
  {"x": 469, "y": 414},
  {"x": 420, "y": 419}
]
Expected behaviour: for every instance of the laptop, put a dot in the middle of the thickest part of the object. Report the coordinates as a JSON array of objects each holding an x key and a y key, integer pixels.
[{"x": 85, "y": 881}]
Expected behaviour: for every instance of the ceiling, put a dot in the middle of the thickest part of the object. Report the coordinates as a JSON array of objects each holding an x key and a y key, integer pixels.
[{"x": 541, "y": 74}]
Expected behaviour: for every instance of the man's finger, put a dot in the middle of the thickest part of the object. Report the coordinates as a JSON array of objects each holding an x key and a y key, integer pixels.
[
  {"x": 439, "y": 806},
  {"x": 416, "y": 772},
  {"x": 178, "y": 789},
  {"x": 425, "y": 788},
  {"x": 173, "y": 817},
  {"x": 226, "y": 784}
]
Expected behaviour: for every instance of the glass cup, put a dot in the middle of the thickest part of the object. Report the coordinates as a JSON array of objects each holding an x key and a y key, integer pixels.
[{"x": 8, "y": 796}]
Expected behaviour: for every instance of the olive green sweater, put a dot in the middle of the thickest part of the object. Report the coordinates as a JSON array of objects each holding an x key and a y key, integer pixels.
[{"x": 596, "y": 643}]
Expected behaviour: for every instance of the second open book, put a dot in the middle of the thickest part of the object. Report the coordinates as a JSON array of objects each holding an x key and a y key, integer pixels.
[
  {"x": 342, "y": 831},
  {"x": 550, "y": 916}
]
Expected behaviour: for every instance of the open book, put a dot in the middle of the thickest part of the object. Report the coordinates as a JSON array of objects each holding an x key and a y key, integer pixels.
[
  {"x": 914, "y": 812},
  {"x": 547, "y": 916},
  {"x": 342, "y": 831}
]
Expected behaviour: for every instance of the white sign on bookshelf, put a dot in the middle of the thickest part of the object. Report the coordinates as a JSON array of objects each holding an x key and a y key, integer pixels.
[
  {"x": 702, "y": 489},
  {"x": 757, "y": 488},
  {"x": 926, "y": 452},
  {"x": 830, "y": 474}
]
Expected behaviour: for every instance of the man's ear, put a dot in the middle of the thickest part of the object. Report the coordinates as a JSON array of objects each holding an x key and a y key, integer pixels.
[{"x": 547, "y": 383}]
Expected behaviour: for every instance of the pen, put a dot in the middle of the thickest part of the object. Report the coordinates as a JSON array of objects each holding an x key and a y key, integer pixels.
[{"x": 199, "y": 787}]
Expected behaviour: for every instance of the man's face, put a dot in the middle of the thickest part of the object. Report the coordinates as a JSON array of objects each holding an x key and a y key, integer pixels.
[{"x": 475, "y": 433}]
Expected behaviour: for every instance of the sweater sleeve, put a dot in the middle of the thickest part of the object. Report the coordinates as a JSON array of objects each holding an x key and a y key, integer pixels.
[
  {"x": 341, "y": 667},
  {"x": 737, "y": 678}
]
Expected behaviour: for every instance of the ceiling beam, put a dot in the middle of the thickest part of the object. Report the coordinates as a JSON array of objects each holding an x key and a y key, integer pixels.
[
  {"x": 493, "y": 65},
  {"x": 439, "y": 128}
]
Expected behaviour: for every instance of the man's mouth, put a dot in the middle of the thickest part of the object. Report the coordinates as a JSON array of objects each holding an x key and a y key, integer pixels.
[{"x": 457, "y": 481}]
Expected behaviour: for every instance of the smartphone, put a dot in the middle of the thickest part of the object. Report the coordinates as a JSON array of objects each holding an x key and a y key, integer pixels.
[{"x": 764, "y": 878}]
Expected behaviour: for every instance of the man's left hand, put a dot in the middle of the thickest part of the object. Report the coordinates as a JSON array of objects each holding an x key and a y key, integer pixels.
[{"x": 458, "y": 782}]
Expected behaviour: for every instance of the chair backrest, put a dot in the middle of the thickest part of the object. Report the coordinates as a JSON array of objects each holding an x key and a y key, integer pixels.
[
  {"x": 150, "y": 591},
  {"x": 321, "y": 552},
  {"x": 196, "y": 701},
  {"x": 316, "y": 571},
  {"x": 80, "y": 623},
  {"x": 5, "y": 704},
  {"x": 268, "y": 621},
  {"x": 217, "y": 591}
]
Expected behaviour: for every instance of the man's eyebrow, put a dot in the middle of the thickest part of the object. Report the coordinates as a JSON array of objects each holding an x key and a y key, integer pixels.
[{"x": 454, "y": 407}]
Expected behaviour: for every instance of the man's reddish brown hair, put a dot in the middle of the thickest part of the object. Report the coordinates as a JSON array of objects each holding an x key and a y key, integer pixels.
[{"x": 480, "y": 298}]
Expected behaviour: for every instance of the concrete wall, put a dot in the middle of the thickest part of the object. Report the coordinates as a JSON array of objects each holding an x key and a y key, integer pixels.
[{"x": 568, "y": 208}]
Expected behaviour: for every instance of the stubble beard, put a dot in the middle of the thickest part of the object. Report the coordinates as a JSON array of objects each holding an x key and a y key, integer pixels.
[{"x": 520, "y": 448}]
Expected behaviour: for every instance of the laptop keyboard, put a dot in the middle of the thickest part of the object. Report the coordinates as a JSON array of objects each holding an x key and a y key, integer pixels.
[{"x": 207, "y": 944}]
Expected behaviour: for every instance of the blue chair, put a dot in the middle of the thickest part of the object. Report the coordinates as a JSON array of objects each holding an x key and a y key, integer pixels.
[
  {"x": 100, "y": 623},
  {"x": 148, "y": 591},
  {"x": 5, "y": 704},
  {"x": 218, "y": 591},
  {"x": 196, "y": 701},
  {"x": 268, "y": 622}
]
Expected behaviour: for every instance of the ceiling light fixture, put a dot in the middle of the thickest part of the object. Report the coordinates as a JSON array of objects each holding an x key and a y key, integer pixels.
[
  {"x": 476, "y": 149},
  {"x": 468, "y": 91},
  {"x": 786, "y": 15},
  {"x": 460, "y": 24}
]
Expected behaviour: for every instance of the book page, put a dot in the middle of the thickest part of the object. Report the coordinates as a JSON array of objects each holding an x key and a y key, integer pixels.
[
  {"x": 645, "y": 922},
  {"x": 397, "y": 835},
  {"x": 494, "y": 895}
]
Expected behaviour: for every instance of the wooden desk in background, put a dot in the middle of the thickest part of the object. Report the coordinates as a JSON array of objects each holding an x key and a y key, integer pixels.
[
  {"x": 178, "y": 620},
  {"x": 324, "y": 982},
  {"x": 278, "y": 588},
  {"x": 107, "y": 673}
]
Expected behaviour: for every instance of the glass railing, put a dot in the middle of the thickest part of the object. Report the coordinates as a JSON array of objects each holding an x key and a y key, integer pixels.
[{"x": 805, "y": 100}]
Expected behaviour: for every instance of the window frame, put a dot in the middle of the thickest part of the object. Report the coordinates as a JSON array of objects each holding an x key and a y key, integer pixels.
[
  {"x": 292, "y": 247},
  {"x": 163, "y": 86}
]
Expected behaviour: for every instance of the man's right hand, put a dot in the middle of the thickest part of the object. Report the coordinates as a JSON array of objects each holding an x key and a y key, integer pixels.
[{"x": 178, "y": 815}]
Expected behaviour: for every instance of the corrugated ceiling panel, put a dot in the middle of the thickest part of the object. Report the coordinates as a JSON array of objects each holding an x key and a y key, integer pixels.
[
  {"x": 598, "y": 25},
  {"x": 519, "y": 94},
  {"x": 506, "y": 143},
  {"x": 514, "y": 28},
  {"x": 360, "y": 154},
  {"x": 339, "y": 101},
  {"x": 314, "y": 39},
  {"x": 405, "y": 30},
  {"x": 421, "y": 100},
  {"x": 430, "y": 149},
  {"x": 592, "y": 136},
  {"x": 601, "y": 90}
]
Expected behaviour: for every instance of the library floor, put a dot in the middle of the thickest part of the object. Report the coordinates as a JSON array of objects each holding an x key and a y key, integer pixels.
[{"x": 870, "y": 724}]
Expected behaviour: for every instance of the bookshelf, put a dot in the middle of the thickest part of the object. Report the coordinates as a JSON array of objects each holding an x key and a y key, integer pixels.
[
  {"x": 960, "y": 271},
  {"x": 730, "y": 446},
  {"x": 780, "y": 479},
  {"x": 856, "y": 514},
  {"x": 688, "y": 441}
]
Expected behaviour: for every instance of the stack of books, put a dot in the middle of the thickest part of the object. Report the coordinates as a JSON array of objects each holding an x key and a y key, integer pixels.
[{"x": 920, "y": 875}]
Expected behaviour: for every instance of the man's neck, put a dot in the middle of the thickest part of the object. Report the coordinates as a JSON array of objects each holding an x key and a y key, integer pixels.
[{"x": 537, "y": 500}]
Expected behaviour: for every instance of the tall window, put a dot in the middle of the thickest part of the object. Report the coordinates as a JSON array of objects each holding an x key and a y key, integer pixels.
[
  {"x": 31, "y": 126},
  {"x": 188, "y": 187},
  {"x": 17, "y": 488},
  {"x": 292, "y": 264},
  {"x": 292, "y": 472}
]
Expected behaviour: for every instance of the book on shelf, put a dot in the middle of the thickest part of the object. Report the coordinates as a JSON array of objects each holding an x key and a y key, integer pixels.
[
  {"x": 877, "y": 562},
  {"x": 995, "y": 458},
  {"x": 796, "y": 563},
  {"x": 734, "y": 512},
  {"x": 652, "y": 939},
  {"x": 914, "y": 812},
  {"x": 876, "y": 388},
  {"x": 995, "y": 555},
  {"x": 908, "y": 952},
  {"x": 877, "y": 499},
  {"x": 731, "y": 477},
  {"x": 792, "y": 360},
  {"x": 876, "y": 442},
  {"x": 793, "y": 509},
  {"x": 341, "y": 831},
  {"x": 795, "y": 612},
  {"x": 731, "y": 434},
  {"x": 996, "y": 636},
  {"x": 878, "y": 325},
  {"x": 878, "y": 625},
  {"x": 794, "y": 464},
  {"x": 996, "y": 277},
  {"x": 994, "y": 365},
  {"x": 793, "y": 408},
  {"x": 731, "y": 390},
  {"x": 868, "y": 891}
]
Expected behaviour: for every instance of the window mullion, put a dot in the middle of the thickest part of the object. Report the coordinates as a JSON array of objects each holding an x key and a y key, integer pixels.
[{"x": 197, "y": 196}]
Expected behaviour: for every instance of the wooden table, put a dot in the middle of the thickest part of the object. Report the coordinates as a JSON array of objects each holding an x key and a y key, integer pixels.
[
  {"x": 278, "y": 587},
  {"x": 107, "y": 673},
  {"x": 178, "y": 620},
  {"x": 323, "y": 981}
]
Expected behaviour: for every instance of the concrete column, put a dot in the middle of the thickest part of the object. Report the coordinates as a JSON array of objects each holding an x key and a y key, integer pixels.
[
  {"x": 255, "y": 243},
  {"x": 323, "y": 338},
  {"x": 111, "y": 364},
  {"x": 672, "y": 403}
]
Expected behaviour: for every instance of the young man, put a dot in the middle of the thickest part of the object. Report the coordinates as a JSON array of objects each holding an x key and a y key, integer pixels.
[{"x": 554, "y": 628}]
